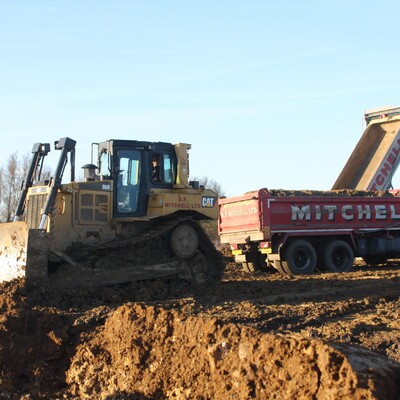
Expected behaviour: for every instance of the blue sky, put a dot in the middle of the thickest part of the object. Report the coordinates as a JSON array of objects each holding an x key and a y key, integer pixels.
[{"x": 269, "y": 93}]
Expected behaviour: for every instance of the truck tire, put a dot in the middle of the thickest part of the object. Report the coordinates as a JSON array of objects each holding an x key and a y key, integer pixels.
[
  {"x": 337, "y": 256},
  {"x": 256, "y": 263},
  {"x": 249, "y": 267},
  {"x": 301, "y": 257}
]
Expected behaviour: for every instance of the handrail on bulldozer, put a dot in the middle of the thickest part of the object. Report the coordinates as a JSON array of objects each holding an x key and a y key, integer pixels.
[
  {"x": 66, "y": 145},
  {"x": 40, "y": 151}
]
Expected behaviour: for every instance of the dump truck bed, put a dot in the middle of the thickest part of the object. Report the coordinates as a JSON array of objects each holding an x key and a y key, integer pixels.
[
  {"x": 375, "y": 158},
  {"x": 258, "y": 215}
]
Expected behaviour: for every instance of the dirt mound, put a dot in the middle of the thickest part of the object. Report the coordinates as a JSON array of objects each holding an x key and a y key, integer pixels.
[
  {"x": 156, "y": 353},
  {"x": 33, "y": 342},
  {"x": 249, "y": 337}
]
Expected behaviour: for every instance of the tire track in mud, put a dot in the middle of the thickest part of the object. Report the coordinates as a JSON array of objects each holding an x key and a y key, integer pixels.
[{"x": 315, "y": 289}]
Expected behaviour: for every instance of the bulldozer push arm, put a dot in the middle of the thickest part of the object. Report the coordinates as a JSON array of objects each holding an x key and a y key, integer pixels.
[
  {"x": 39, "y": 151},
  {"x": 67, "y": 146}
]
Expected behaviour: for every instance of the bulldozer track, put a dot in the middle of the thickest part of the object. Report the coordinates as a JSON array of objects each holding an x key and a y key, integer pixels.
[{"x": 144, "y": 256}]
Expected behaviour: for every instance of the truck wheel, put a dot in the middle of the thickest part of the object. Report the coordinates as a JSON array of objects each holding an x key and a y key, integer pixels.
[
  {"x": 249, "y": 267},
  {"x": 338, "y": 256},
  {"x": 301, "y": 257},
  {"x": 256, "y": 263}
]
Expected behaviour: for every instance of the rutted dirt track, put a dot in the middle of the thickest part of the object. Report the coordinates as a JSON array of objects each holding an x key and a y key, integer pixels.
[{"x": 329, "y": 336}]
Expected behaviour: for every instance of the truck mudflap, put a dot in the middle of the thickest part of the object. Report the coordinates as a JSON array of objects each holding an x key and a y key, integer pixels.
[{"x": 23, "y": 252}]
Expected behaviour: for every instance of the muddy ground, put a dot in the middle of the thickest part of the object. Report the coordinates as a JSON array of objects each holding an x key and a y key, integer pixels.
[{"x": 327, "y": 336}]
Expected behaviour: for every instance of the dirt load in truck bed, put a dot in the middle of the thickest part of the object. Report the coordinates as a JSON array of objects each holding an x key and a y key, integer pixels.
[
  {"x": 326, "y": 336},
  {"x": 330, "y": 193}
]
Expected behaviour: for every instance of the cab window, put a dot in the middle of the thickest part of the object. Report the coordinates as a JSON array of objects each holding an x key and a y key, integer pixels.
[
  {"x": 104, "y": 163},
  {"x": 128, "y": 180},
  {"x": 163, "y": 168},
  {"x": 168, "y": 169}
]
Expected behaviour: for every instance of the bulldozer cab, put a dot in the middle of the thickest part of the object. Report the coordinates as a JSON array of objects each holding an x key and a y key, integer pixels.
[{"x": 136, "y": 168}]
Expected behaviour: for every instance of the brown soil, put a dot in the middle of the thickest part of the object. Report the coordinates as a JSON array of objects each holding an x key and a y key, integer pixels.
[
  {"x": 327, "y": 336},
  {"x": 331, "y": 193}
]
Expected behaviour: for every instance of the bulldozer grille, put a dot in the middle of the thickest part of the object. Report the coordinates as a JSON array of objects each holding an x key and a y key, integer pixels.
[
  {"x": 93, "y": 208},
  {"x": 34, "y": 207}
]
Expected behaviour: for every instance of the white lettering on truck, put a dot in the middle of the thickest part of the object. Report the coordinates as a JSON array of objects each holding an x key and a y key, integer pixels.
[
  {"x": 348, "y": 212},
  {"x": 238, "y": 212},
  {"x": 385, "y": 171},
  {"x": 301, "y": 213}
]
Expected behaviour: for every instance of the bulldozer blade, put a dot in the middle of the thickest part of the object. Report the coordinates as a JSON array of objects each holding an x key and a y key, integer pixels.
[{"x": 23, "y": 252}]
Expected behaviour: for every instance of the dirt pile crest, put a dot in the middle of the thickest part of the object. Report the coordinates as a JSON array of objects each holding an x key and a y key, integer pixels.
[{"x": 160, "y": 354}]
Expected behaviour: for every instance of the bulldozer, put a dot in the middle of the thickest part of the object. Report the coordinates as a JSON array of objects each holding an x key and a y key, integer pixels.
[{"x": 133, "y": 216}]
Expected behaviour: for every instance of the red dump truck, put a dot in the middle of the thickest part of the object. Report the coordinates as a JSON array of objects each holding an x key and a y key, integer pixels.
[{"x": 299, "y": 231}]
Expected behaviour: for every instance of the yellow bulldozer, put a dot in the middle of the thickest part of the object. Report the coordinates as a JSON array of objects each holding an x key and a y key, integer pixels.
[{"x": 134, "y": 216}]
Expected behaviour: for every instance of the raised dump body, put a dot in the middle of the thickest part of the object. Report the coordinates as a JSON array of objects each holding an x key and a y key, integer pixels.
[
  {"x": 376, "y": 156},
  {"x": 299, "y": 231}
]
